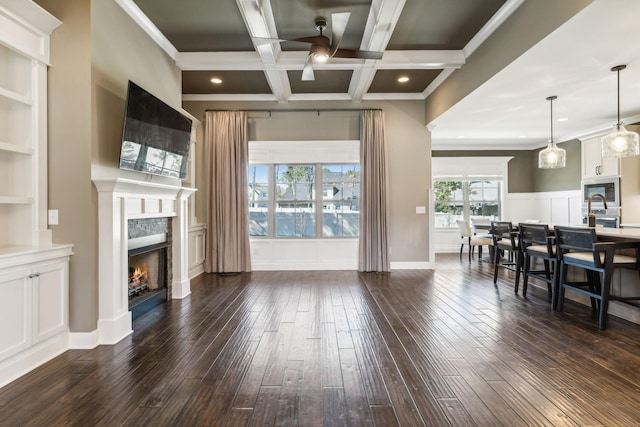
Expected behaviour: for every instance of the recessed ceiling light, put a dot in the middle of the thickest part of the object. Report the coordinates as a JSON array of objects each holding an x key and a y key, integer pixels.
[
  {"x": 461, "y": 137},
  {"x": 523, "y": 136},
  {"x": 216, "y": 81},
  {"x": 403, "y": 79},
  {"x": 563, "y": 119}
]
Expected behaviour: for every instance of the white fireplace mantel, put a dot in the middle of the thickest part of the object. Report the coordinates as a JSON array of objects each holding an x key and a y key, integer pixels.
[{"x": 118, "y": 201}]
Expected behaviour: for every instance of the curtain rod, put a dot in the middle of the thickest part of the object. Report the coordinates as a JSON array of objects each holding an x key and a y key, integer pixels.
[{"x": 297, "y": 110}]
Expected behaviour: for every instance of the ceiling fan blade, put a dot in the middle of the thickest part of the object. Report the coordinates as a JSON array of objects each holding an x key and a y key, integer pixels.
[
  {"x": 307, "y": 70},
  {"x": 352, "y": 53},
  {"x": 321, "y": 40},
  {"x": 339, "y": 23}
]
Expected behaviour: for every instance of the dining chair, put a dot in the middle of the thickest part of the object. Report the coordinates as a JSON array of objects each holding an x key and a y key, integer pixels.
[
  {"x": 537, "y": 243},
  {"x": 480, "y": 224},
  {"x": 506, "y": 252},
  {"x": 579, "y": 247},
  {"x": 471, "y": 239}
]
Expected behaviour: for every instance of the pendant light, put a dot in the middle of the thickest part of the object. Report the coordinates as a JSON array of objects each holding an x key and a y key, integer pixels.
[
  {"x": 620, "y": 142},
  {"x": 552, "y": 157}
]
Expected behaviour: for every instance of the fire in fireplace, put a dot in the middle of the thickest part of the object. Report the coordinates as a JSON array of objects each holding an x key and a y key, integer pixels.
[{"x": 149, "y": 264}]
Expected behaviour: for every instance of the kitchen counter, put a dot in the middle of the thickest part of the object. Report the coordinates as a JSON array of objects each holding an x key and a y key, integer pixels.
[{"x": 619, "y": 233}]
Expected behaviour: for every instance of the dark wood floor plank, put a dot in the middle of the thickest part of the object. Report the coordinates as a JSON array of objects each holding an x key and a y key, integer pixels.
[
  {"x": 355, "y": 395},
  {"x": 311, "y": 405},
  {"x": 444, "y": 347},
  {"x": 370, "y": 371},
  {"x": 290, "y": 393}
]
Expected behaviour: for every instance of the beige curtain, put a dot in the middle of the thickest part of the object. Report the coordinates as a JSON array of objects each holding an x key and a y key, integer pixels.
[
  {"x": 373, "y": 252},
  {"x": 226, "y": 161}
]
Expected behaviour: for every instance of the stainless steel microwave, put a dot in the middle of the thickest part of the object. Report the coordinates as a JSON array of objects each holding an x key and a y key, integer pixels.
[{"x": 608, "y": 187}]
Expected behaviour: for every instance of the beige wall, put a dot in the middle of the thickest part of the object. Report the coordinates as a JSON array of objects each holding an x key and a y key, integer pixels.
[
  {"x": 529, "y": 24},
  {"x": 523, "y": 173},
  {"x": 409, "y": 157},
  {"x": 95, "y": 51}
]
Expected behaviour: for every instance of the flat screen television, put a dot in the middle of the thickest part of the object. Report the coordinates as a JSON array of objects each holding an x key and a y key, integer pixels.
[{"x": 155, "y": 136}]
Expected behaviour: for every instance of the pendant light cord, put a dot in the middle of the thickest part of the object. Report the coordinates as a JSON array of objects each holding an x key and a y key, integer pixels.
[
  {"x": 550, "y": 99},
  {"x": 618, "y": 70}
]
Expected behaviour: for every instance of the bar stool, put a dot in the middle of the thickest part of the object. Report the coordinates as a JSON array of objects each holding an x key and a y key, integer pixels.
[
  {"x": 505, "y": 241},
  {"x": 537, "y": 242},
  {"x": 579, "y": 247}
]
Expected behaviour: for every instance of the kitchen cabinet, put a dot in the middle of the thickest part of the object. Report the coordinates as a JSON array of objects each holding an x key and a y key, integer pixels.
[{"x": 593, "y": 164}]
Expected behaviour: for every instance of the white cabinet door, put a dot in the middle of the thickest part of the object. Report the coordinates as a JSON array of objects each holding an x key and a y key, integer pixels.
[
  {"x": 50, "y": 300},
  {"x": 592, "y": 162},
  {"x": 15, "y": 313}
]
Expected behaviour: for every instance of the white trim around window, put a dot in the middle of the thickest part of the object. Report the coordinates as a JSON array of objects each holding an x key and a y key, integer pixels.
[{"x": 308, "y": 253}]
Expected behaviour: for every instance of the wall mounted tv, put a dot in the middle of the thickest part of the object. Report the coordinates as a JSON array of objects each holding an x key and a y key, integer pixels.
[{"x": 155, "y": 137}]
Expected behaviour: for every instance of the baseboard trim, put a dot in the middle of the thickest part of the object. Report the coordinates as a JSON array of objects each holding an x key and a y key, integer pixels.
[
  {"x": 83, "y": 340},
  {"x": 29, "y": 359},
  {"x": 418, "y": 265}
]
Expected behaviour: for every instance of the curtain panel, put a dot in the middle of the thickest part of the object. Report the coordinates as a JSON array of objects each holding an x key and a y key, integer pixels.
[
  {"x": 373, "y": 253},
  {"x": 226, "y": 162}
]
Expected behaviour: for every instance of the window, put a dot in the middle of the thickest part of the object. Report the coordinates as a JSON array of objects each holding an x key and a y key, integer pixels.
[
  {"x": 258, "y": 200},
  {"x": 284, "y": 201},
  {"x": 295, "y": 200},
  {"x": 466, "y": 199},
  {"x": 341, "y": 200}
]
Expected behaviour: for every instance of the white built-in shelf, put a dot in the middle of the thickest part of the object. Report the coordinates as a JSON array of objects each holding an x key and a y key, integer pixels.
[
  {"x": 12, "y": 148},
  {"x": 15, "y": 200},
  {"x": 6, "y": 94}
]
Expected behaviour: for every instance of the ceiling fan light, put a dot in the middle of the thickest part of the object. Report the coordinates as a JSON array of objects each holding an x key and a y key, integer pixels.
[
  {"x": 320, "y": 53},
  {"x": 620, "y": 143},
  {"x": 552, "y": 157}
]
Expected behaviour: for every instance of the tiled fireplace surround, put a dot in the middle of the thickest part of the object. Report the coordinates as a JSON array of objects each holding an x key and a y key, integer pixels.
[{"x": 120, "y": 200}]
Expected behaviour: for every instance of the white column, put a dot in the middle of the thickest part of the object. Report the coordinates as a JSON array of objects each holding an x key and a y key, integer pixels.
[
  {"x": 181, "y": 285},
  {"x": 114, "y": 317}
]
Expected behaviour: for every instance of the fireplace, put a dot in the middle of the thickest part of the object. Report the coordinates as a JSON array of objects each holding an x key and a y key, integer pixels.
[
  {"x": 149, "y": 271},
  {"x": 121, "y": 200}
]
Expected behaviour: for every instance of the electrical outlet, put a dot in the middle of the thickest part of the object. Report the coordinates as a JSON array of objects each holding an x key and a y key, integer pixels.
[{"x": 53, "y": 216}]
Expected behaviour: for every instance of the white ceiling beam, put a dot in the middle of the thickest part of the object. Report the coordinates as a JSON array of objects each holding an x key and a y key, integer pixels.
[
  {"x": 423, "y": 59},
  {"x": 492, "y": 24},
  {"x": 294, "y": 60},
  {"x": 382, "y": 20},
  {"x": 360, "y": 82},
  {"x": 148, "y": 27},
  {"x": 259, "y": 20}
]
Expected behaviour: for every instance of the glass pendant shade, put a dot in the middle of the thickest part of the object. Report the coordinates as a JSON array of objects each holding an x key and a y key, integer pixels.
[
  {"x": 620, "y": 142},
  {"x": 552, "y": 157}
]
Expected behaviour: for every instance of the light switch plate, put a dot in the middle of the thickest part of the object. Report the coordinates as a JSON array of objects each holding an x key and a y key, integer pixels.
[
  {"x": 421, "y": 210},
  {"x": 53, "y": 216}
]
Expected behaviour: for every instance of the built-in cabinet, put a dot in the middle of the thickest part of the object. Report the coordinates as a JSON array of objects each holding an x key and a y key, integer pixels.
[
  {"x": 593, "y": 164},
  {"x": 33, "y": 303},
  {"x": 34, "y": 278}
]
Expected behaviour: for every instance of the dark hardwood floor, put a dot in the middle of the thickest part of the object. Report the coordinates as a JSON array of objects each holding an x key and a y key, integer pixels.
[{"x": 410, "y": 348}]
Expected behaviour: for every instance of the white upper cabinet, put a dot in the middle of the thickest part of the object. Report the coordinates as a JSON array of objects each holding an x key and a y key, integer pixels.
[{"x": 593, "y": 164}]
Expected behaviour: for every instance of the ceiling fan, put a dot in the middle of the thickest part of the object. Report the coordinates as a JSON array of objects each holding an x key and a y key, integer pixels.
[{"x": 322, "y": 48}]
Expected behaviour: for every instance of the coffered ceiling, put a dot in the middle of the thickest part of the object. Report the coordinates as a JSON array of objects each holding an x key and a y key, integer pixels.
[{"x": 424, "y": 40}]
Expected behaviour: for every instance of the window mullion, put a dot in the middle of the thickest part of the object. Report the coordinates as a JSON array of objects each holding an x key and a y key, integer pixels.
[
  {"x": 318, "y": 199},
  {"x": 271, "y": 202}
]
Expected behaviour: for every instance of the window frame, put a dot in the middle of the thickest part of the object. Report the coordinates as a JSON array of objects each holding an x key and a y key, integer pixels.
[
  {"x": 466, "y": 196},
  {"x": 317, "y": 199}
]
